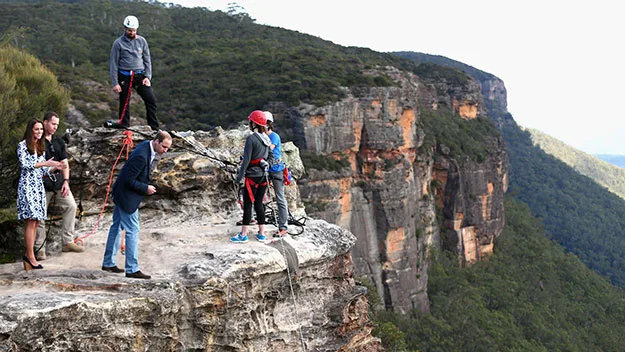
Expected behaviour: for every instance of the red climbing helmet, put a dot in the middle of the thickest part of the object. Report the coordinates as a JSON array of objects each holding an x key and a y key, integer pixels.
[{"x": 258, "y": 117}]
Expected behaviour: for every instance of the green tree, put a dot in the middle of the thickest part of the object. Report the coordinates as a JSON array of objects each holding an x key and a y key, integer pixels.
[
  {"x": 27, "y": 89},
  {"x": 529, "y": 296}
]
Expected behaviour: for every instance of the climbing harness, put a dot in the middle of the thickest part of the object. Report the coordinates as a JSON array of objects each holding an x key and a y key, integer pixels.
[
  {"x": 249, "y": 183},
  {"x": 126, "y": 145}
]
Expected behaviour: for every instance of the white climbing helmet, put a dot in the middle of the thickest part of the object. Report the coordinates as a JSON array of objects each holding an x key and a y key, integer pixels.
[
  {"x": 268, "y": 115},
  {"x": 131, "y": 22}
]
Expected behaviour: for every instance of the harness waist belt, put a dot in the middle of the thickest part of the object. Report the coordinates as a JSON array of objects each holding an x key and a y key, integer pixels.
[
  {"x": 249, "y": 183},
  {"x": 127, "y": 73}
]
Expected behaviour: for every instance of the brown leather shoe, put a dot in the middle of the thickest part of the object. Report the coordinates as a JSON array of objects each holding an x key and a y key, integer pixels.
[
  {"x": 113, "y": 269},
  {"x": 138, "y": 275},
  {"x": 72, "y": 247}
]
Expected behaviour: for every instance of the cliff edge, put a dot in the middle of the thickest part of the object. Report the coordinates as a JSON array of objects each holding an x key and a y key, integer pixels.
[{"x": 206, "y": 293}]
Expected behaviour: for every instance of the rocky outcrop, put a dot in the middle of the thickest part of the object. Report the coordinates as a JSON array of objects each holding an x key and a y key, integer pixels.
[
  {"x": 463, "y": 99},
  {"x": 495, "y": 99},
  {"x": 206, "y": 292},
  {"x": 470, "y": 195},
  {"x": 390, "y": 194}
]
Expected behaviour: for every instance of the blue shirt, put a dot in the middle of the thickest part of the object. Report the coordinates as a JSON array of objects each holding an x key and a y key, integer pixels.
[{"x": 277, "y": 152}]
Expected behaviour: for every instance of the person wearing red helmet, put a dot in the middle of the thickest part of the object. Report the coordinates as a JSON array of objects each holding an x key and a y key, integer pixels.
[{"x": 252, "y": 176}]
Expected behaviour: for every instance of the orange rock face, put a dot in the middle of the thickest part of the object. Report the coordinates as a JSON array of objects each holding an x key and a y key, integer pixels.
[
  {"x": 466, "y": 110},
  {"x": 396, "y": 193}
]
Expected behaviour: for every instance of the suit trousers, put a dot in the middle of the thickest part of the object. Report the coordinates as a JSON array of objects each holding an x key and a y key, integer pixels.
[
  {"x": 130, "y": 223},
  {"x": 68, "y": 206}
]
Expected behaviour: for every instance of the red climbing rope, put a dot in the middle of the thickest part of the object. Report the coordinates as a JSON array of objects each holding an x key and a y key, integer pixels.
[
  {"x": 126, "y": 144},
  {"x": 121, "y": 116}
]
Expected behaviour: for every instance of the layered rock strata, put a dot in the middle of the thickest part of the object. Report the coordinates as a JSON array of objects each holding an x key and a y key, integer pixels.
[
  {"x": 396, "y": 196},
  {"x": 206, "y": 293}
]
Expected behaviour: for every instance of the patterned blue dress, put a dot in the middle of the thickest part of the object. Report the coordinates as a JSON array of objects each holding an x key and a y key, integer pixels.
[{"x": 31, "y": 196}]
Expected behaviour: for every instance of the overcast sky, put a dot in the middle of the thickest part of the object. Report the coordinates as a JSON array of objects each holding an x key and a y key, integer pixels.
[{"x": 562, "y": 61}]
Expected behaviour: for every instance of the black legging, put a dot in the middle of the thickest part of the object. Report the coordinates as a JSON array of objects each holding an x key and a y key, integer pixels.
[{"x": 259, "y": 208}]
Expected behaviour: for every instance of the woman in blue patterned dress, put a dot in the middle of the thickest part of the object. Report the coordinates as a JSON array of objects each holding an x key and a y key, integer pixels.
[{"x": 31, "y": 196}]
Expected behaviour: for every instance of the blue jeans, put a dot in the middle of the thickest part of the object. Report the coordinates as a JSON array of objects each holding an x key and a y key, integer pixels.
[{"x": 129, "y": 222}]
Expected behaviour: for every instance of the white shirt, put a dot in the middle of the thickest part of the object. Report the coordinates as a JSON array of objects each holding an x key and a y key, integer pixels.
[{"x": 152, "y": 154}]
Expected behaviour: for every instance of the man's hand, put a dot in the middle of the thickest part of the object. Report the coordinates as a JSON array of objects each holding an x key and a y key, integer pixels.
[
  {"x": 151, "y": 189},
  {"x": 117, "y": 89},
  {"x": 65, "y": 189},
  {"x": 54, "y": 165},
  {"x": 146, "y": 82}
]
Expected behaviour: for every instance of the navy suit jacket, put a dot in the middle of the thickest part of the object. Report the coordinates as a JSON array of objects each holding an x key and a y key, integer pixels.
[{"x": 132, "y": 183}]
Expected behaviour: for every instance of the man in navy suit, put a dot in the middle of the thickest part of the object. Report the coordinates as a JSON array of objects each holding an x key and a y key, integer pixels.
[{"x": 131, "y": 186}]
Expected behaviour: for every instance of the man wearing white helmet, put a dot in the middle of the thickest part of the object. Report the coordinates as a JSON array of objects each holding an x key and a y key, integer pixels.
[{"x": 131, "y": 67}]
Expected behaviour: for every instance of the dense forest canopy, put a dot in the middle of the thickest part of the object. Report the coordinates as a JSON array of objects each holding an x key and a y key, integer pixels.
[
  {"x": 529, "y": 296},
  {"x": 610, "y": 176},
  {"x": 584, "y": 217},
  {"x": 210, "y": 68}
]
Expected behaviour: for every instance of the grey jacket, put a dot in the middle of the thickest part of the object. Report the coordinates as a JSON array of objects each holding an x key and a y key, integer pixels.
[
  {"x": 256, "y": 147},
  {"x": 130, "y": 55}
]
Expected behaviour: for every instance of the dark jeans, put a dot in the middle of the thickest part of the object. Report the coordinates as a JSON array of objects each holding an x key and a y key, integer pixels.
[
  {"x": 145, "y": 93},
  {"x": 259, "y": 208}
]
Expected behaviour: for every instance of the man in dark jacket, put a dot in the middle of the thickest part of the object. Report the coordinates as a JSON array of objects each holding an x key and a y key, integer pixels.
[{"x": 128, "y": 191}]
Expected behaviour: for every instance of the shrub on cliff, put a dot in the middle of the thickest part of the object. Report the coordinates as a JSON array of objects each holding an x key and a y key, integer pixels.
[
  {"x": 474, "y": 139},
  {"x": 323, "y": 162},
  {"x": 27, "y": 90}
]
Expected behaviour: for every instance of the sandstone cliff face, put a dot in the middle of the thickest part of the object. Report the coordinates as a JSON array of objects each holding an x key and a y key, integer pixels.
[
  {"x": 387, "y": 197},
  {"x": 464, "y": 99},
  {"x": 496, "y": 100},
  {"x": 206, "y": 293},
  {"x": 470, "y": 195}
]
